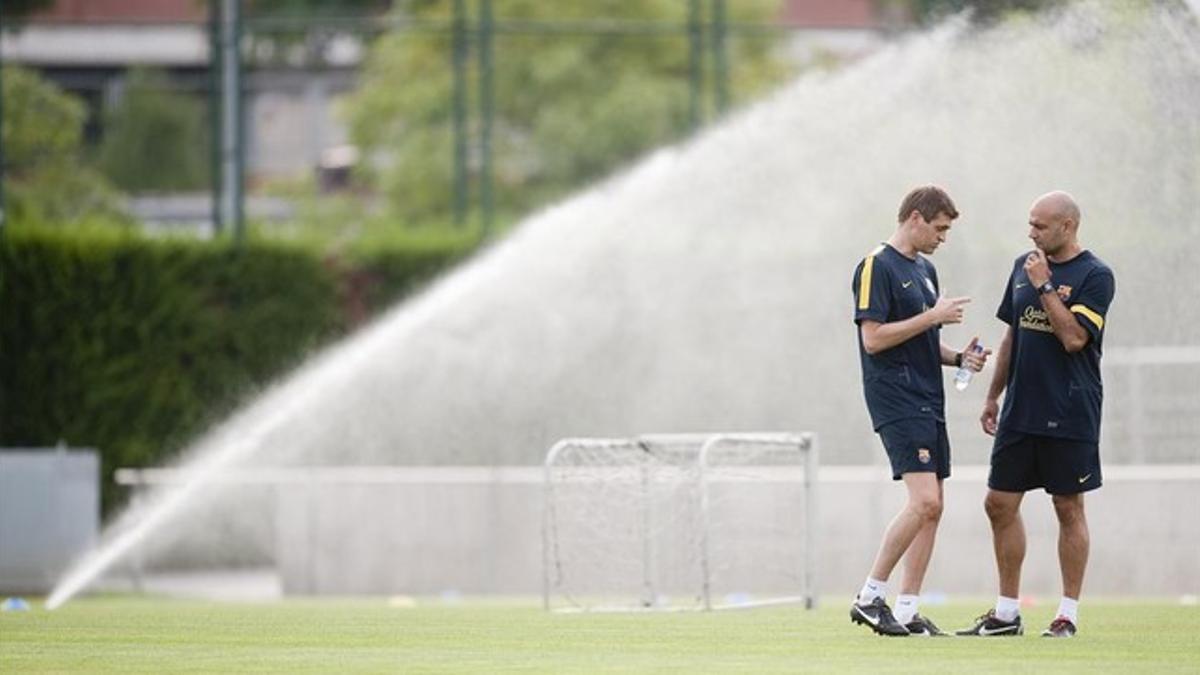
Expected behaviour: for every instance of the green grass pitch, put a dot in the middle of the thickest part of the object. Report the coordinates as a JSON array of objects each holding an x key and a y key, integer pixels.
[{"x": 146, "y": 634}]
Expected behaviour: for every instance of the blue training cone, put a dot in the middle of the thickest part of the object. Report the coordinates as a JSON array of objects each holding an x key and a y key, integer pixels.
[{"x": 14, "y": 605}]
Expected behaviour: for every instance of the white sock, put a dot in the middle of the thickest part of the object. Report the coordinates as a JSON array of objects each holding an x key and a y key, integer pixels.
[
  {"x": 1007, "y": 609},
  {"x": 872, "y": 589},
  {"x": 906, "y": 607},
  {"x": 1069, "y": 608}
]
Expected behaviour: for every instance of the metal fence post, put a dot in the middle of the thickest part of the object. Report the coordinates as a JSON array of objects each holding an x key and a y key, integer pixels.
[
  {"x": 812, "y": 503},
  {"x": 459, "y": 61},
  {"x": 232, "y": 146},
  {"x": 2, "y": 213},
  {"x": 695, "y": 64},
  {"x": 720, "y": 57},
  {"x": 214, "y": 106},
  {"x": 486, "y": 111}
]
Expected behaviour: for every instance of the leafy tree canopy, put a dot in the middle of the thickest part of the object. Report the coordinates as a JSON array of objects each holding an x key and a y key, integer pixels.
[
  {"x": 155, "y": 137},
  {"x": 14, "y": 12},
  {"x": 982, "y": 10},
  {"x": 310, "y": 8},
  {"x": 300, "y": 32},
  {"x": 45, "y": 179},
  {"x": 571, "y": 104}
]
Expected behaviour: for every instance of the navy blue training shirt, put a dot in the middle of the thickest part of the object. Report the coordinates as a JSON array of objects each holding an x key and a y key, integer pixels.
[
  {"x": 1052, "y": 392},
  {"x": 906, "y": 380}
]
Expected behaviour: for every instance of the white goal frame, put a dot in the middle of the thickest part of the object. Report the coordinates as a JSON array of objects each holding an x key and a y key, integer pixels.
[{"x": 804, "y": 474}]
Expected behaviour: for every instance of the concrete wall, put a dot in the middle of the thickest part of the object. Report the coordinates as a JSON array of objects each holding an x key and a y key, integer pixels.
[
  {"x": 49, "y": 514},
  {"x": 479, "y": 531},
  {"x": 473, "y": 530},
  {"x": 1143, "y": 539}
]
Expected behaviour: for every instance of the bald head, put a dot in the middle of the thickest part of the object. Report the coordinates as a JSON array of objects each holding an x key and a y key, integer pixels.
[
  {"x": 1054, "y": 223},
  {"x": 1059, "y": 206}
]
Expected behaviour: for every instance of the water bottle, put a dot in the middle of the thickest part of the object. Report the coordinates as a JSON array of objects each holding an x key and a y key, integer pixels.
[{"x": 962, "y": 377}]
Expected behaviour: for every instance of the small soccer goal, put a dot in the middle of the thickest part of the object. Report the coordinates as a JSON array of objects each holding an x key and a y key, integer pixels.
[{"x": 680, "y": 522}]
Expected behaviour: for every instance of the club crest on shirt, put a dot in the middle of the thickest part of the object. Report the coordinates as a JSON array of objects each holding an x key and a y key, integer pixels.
[
  {"x": 923, "y": 456},
  {"x": 1064, "y": 292}
]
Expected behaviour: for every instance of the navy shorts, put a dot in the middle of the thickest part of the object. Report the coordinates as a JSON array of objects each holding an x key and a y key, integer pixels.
[
  {"x": 917, "y": 445},
  {"x": 1063, "y": 466}
]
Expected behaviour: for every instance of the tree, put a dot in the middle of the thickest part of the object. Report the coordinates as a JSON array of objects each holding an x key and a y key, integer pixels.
[
  {"x": 14, "y": 12},
  {"x": 45, "y": 179},
  {"x": 300, "y": 32},
  {"x": 155, "y": 138},
  {"x": 574, "y": 98},
  {"x": 982, "y": 10}
]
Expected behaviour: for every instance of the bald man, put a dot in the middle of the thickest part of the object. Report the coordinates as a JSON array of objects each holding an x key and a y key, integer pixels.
[{"x": 1048, "y": 432}]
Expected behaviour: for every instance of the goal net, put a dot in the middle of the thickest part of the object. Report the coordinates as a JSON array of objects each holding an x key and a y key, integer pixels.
[{"x": 679, "y": 522}]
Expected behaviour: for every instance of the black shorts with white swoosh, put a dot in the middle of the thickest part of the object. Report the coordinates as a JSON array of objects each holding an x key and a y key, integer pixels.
[{"x": 1023, "y": 462}]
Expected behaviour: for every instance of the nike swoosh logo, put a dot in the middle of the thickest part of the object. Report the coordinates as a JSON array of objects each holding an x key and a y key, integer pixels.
[
  {"x": 873, "y": 620},
  {"x": 997, "y": 631},
  {"x": 906, "y": 284},
  {"x": 1021, "y": 284},
  {"x": 1084, "y": 479}
]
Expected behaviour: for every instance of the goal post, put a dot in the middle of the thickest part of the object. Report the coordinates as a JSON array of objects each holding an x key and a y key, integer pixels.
[{"x": 675, "y": 522}]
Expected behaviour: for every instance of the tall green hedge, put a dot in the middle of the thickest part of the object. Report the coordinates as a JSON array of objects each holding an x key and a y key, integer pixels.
[{"x": 134, "y": 346}]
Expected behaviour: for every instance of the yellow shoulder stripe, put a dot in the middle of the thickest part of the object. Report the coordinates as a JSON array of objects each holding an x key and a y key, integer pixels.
[
  {"x": 864, "y": 283},
  {"x": 1092, "y": 316}
]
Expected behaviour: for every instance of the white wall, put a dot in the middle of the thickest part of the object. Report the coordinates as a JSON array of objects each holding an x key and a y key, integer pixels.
[
  {"x": 49, "y": 514},
  {"x": 479, "y": 531}
]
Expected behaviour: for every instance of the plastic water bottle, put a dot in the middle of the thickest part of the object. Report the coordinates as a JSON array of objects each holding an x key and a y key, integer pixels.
[{"x": 962, "y": 377}]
